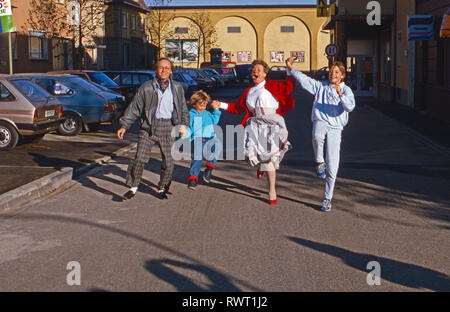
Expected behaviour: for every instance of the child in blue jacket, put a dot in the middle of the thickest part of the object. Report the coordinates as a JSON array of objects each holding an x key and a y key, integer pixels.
[
  {"x": 332, "y": 104},
  {"x": 201, "y": 132}
]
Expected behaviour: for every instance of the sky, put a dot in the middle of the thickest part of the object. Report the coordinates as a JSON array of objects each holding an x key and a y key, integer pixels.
[{"x": 237, "y": 2}]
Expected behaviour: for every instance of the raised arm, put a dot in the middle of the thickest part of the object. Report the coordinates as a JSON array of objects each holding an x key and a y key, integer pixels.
[{"x": 307, "y": 83}]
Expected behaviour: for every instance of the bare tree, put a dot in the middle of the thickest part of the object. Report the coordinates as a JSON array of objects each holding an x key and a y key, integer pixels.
[
  {"x": 204, "y": 31},
  {"x": 88, "y": 27},
  {"x": 81, "y": 19},
  {"x": 157, "y": 21},
  {"x": 47, "y": 17}
]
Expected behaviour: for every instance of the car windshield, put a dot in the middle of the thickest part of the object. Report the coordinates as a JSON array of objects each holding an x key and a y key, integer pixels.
[
  {"x": 187, "y": 77},
  {"x": 194, "y": 74},
  {"x": 83, "y": 83},
  {"x": 30, "y": 90},
  {"x": 210, "y": 73},
  {"x": 104, "y": 80}
]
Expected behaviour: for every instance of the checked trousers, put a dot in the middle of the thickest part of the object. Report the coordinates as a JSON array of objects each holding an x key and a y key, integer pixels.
[{"x": 162, "y": 137}]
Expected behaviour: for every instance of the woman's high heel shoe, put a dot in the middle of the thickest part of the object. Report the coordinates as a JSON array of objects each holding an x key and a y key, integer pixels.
[{"x": 272, "y": 201}]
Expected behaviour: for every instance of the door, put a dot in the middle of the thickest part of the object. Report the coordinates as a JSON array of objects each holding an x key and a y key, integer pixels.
[{"x": 361, "y": 72}]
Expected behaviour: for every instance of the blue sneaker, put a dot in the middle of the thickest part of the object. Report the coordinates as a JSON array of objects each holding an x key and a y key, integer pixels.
[
  {"x": 326, "y": 205},
  {"x": 321, "y": 171}
]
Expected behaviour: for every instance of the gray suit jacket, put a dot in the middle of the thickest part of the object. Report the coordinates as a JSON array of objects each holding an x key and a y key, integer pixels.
[{"x": 145, "y": 103}]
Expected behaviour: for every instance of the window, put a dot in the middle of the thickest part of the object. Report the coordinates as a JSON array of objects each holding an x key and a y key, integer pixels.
[
  {"x": 133, "y": 22},
  {"x": 5, "y": 95},
  {"x": 92, "y": 53},
  {"x": 181, "y": 30},
  {"x": 37, "y": 45},
  {"x": 124, "y": 20},
  {"x": 234, "y": 29},
  {"x": 287, "y": 29},
  {"x": 142, "y": 24},
  {"x": 93, "y": 12},
  {"x": 53, "y": 87},
  {"x": 125, "y": 54},
  {"x": 30, "y": 90}
]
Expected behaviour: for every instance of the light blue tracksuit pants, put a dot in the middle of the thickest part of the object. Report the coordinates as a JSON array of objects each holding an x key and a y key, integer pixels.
[{"x": 322, "y": 131}]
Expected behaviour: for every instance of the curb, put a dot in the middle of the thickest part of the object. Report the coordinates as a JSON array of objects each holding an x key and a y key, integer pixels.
[
  {"x": 54, "y": 181},
  {"x": 35, "y": 189},
  {"x": 104, "y": 160}
]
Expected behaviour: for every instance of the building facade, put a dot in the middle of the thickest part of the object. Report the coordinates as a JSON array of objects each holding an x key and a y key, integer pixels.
[
  {"x": 382, "y": 60},
  {"x": 126, "y": 36},
  {"x": 245, "y": 33},
  {"x": 39, "y": 47}
]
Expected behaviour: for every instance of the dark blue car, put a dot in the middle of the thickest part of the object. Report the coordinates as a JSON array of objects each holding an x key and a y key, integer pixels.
[{"x": 83, "y": 102}]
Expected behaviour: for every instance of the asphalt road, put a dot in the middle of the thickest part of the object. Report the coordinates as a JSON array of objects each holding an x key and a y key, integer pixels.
[{"x": 391, "y": 206}]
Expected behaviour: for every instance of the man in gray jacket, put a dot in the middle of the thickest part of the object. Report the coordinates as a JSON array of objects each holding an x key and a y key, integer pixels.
[{"x": 159, "y": 105}]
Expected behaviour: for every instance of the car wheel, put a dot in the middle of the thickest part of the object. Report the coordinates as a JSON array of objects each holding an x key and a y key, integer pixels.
[
  {"x": 8, "y": 136},
  {"x": 71, "y": 126}
]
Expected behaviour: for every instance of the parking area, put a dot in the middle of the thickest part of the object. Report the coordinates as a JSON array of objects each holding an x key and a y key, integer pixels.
[{"x": 29, "y": 161}]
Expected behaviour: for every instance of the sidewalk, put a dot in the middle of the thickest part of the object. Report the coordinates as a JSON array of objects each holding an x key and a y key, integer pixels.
[
  {"x": 391, "y": 205},
  {"x": 435, "y": 129}
]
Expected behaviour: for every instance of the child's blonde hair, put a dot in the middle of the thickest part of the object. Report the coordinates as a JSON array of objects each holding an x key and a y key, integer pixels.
[{"x": 199, "y": 96}]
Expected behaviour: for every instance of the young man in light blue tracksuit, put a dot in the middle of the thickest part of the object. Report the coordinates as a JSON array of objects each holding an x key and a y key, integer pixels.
[
  {"x": 332, "y": 104},
  {"x": 201, "y": 132}
]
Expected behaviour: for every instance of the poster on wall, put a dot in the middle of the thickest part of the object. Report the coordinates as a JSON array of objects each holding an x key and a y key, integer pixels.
[
  {"x": 226, "y": 56},
  {"x": 182, "y": 50},
  {"x": 300, "y": 56},
  {"x": 244, "y": 56},
  {"x": 276, "y": 56}
]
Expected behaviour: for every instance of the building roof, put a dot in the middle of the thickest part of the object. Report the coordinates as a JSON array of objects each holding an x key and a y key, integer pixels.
[{"x": 140, "y": 4}]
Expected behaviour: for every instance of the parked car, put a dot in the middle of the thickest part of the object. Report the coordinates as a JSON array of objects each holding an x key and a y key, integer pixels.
[
  {"x": 25, "y": 110},
  {"x": 323, "y": 73},
  {"x": 130, "y": 81},
  {"x": 212, "y": 73},
  {"x": 203, "y": 80},
  {"x": 94, "y": 76},
  {"x": 243, "y": 72},
  {"x": 228, "y": 74},
  {"x": 188, "y": 83},
  {"x": 83, "y": 102},
  {"x": 277, "y": 73}
]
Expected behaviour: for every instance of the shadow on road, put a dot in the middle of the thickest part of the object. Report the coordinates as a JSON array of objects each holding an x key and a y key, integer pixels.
[
  {"x": 401, "y": 273},
  {"x": 214, "y": 275},
  {"x": 217, "y": 281}
]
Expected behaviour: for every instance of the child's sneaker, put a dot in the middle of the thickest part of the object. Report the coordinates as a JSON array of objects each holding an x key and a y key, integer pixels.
[
  {"x": 207, "y": 174},
  {"x": 321, "y": 171},
  {"x": 326, "y": 205},
  {"x": 192, "y": 184}
]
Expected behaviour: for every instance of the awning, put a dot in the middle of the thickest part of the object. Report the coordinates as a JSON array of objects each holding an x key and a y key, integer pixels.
[{"x": 445, "y": 27}]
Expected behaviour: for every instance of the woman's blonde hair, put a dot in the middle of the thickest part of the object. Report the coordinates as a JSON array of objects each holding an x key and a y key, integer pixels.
[{"x": 199, "y": 96}]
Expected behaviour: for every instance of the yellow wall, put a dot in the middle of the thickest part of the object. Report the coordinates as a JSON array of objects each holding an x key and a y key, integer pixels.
[
  {"x": 236, "y": 42},
  {"x": 260, "y": 31},
  {"x": 299, "y": 40}
]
